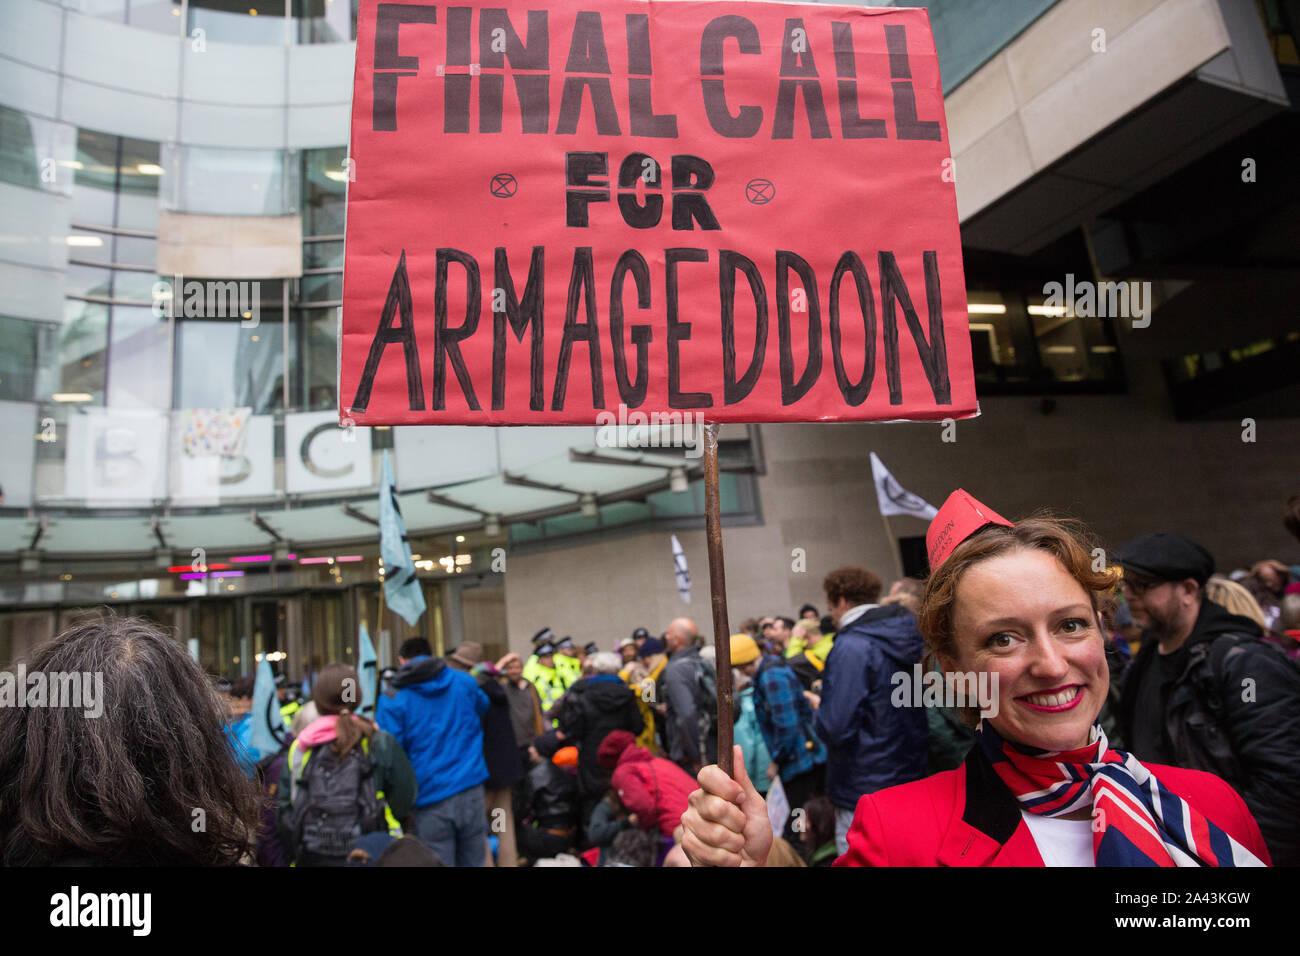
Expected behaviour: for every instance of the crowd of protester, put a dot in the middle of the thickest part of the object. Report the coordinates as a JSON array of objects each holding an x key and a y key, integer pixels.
[{"x": 593, "y": 755}]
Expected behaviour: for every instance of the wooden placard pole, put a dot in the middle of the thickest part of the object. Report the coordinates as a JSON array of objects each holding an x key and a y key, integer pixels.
[{"x": 718, "y": 592}]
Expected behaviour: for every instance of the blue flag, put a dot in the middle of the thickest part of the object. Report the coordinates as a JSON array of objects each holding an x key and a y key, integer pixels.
[
  {"x": 368, "y": 671},
  {"x": 401, "y": 587},
  {"x": 268, "y": 728}
]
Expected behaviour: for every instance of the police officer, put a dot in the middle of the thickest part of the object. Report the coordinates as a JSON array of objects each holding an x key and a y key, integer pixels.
[
  {"x": 544, "y": 636},
  {"x": 567, "y": 662},
  {"x": 547, "y": 678},
  {"x": 639, "y": 636}
]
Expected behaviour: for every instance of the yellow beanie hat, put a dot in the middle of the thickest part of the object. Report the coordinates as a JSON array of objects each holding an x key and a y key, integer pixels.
[{"x": 743, "y": 650}]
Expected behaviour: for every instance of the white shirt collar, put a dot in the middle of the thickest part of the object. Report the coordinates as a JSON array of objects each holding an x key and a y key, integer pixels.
[{"x": 853, "y": 613}]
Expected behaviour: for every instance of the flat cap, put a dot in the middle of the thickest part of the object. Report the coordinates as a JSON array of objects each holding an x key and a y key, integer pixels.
[{"x": 1165, "y": 556}]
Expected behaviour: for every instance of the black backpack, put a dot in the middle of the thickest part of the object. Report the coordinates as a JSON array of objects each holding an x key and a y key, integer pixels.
[
  {"x": 335, "y": 801},
  {"x": 706, "y": 686},
  {"x": 1201, "y": 738},
  {"x": 706, "y": 700},
  {"x": 705, "y": 693}
]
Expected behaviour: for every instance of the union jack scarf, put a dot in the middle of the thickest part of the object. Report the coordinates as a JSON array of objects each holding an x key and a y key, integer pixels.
[{"x": 1136, "y": 820}]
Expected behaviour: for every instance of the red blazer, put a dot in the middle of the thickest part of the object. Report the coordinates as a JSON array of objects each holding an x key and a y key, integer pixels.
[{"x": 968, "y": 817}]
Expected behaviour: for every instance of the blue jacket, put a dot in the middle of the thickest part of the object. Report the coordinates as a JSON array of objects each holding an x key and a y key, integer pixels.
[
  {"x": 436, "y": 717},
  {"x": 872, "y": 744},
  {"x": 750, "y": 738}
]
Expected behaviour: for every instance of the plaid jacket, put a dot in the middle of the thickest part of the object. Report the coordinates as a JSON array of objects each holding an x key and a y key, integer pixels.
[{"x": 785, "y": 719}]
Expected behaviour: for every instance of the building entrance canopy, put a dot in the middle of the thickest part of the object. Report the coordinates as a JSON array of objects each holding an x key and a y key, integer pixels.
[{"x": 323, "y": 488}]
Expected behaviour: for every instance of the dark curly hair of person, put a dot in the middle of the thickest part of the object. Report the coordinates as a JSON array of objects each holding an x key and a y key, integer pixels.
[
  {"x": 855, "y": 585},
  {"x": 151, "y": 781}
]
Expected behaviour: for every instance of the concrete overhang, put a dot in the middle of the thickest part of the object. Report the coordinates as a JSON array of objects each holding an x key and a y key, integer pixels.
[{"x": 1093, "y": 103}]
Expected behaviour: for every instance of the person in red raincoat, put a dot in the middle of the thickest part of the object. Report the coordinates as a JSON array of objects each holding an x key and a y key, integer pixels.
[{"x": 654, "y": 790}]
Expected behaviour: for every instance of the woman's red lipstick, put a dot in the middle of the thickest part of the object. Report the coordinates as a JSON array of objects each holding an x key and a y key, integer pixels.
[{"x": 1064, "y": 701}]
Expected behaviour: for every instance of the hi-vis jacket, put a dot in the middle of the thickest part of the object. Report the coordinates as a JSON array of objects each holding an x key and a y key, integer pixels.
[
  {"x": 569, "y": 669},
  {"x": 549, "y": 682}
]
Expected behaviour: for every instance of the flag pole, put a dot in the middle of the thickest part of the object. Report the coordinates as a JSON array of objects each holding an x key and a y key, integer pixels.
[
  {"x": 893, "y": 546},
  {"x": 379, "y": 636},
  {"x": 718, "y": 592}
]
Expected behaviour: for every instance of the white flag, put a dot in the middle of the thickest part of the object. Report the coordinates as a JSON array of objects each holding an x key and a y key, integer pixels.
[
  {"x": 893, "y": 498},
  {"x": 679, "y": 567}
]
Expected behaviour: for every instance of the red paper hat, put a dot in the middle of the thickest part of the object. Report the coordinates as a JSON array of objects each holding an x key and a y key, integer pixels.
[{"x": 959, "y": 518}]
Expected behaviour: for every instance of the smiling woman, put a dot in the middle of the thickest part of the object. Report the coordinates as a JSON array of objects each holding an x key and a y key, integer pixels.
[
  {"x": 1024, "y": 604},
  {"x": 1020, "y": 605}
]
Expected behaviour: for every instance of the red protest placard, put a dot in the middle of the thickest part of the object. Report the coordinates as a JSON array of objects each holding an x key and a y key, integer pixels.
[{"x": 744, "y": 210}]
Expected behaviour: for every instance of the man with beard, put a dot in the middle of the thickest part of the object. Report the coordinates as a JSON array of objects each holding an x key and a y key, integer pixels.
[{"x": 1205, "y": 691}]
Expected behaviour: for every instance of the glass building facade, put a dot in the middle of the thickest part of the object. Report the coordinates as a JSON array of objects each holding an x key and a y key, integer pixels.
[
  {"x": 224, "y": 164},
  {"x": 107, "y": 363},
  {"x": 111, "y": 379}
]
